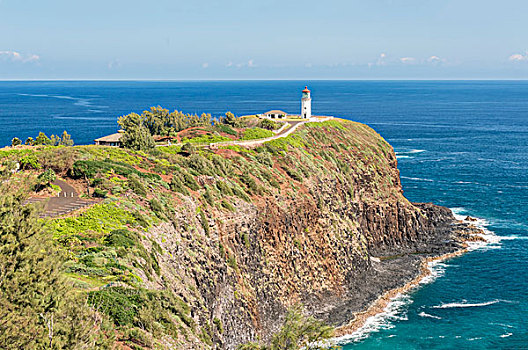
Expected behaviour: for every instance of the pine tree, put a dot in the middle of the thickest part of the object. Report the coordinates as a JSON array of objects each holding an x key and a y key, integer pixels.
[
  {"x": 15, "y": 142},
  {"x": 297, "y": 332},
  {"x": 66, "y": 139},
  {"x": 38, "y": 308}
]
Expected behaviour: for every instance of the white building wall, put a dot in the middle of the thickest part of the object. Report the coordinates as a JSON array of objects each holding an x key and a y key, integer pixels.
[{"x": 306, "y": 107}]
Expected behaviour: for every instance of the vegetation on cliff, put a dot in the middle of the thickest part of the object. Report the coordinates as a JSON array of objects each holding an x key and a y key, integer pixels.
[{"x": 192, "y": 247}]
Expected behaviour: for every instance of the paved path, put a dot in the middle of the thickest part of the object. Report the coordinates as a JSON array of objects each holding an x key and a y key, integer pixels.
[
  {"x": 66, "y": 201},
  {"x": 282, "y": 132}
]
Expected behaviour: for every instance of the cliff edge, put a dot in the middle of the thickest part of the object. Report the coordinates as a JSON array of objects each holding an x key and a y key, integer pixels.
[{"x": 207, "y": 248}]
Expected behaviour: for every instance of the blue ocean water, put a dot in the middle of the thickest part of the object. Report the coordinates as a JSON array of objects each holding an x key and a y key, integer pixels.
[{"x": 460, "y": 144}]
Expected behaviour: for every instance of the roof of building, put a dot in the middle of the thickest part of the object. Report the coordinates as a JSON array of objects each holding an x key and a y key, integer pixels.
[
  {"x": 110, "y": 138},
  {"x": 306, "y": 89},
  {"x": 276, "y": 111}
]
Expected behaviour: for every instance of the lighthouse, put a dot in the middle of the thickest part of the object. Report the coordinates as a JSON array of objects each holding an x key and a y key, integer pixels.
[{"x": 306, "y": 104}]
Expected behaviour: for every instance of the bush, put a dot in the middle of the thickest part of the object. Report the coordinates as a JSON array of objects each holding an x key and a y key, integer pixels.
[
  {"x": 120, "y": 238},
  {"x": 157, "y": 208},
  {"x": 224, "y": 188},
  {"x": 47, "y": 177},
  {"x": 225, "y": 129},
  {"x": 15, "y": 142},
  {"x": 100, "y": 193},
  {"x": 135, "y": 184},
  {"x": 177, "y": 185},
  {"x": 256, "y": 133},
  {"x": 190, "y": 181},
  {"x": 269, "y": 124},
  {"x": 29, "y": 161}
]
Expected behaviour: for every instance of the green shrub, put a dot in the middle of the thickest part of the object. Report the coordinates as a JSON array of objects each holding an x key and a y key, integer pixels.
[
  {"x": 100, "y": 193},
  {"x": 208, "y": 196},
  {"x": 29, "y": 161},
  {"x": 228, "y": 205},
  {"x": 208, "y": 138},
  {"x": 256, "y": 133},
  {"x": 46, "y": 178},
  {"x": 224, "y": 188},
  {"x": 16, "y": 142},
  {"x": 135, "y": 184},
  {"x": 218, "y": 324},
  {"x": 225, "y": 128},
  {"x": 157, "y": 208},
  {"x": 120, "y": 238},
  {"x": 121, "y": 304},
  {"x": 204, "y": 222},
  {"x": 177, "y": 185},
  {"x": 249, "y": 182},
  {"x": 190, "y": 181},
  {"x": 269, "y": 124}
]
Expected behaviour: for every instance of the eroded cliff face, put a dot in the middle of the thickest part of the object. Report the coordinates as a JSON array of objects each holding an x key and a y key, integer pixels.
[{"x": 336, "y": 202}]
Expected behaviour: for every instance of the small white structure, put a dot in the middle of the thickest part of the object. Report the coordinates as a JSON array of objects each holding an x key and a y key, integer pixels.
[
  {"x": 275, "y": 114},
  {"x": 306, "y": 104}
]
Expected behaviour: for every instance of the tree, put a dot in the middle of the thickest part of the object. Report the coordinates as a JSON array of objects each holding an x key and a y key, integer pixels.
[
  {"x": 38, "y": 308},
  {"x": 55, "y": 140},
  {"x": 297, "y": 332},
  {"x": 268, "y": 124},
  {"x": 138, "y": 138},
  {"x": 15, "y": 142},
  {"x": 230, "y": 119},
  {"x": 136, "y": 135},
  {"x": 66, "y": 139},
  {"x": 29, "y": 141},
  {"x": 45, "y": 179},
  {"x": 42, "y": 139}
]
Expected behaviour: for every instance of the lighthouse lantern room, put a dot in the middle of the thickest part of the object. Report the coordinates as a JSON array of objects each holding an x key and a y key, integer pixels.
[{"x": 306, "y": 104}]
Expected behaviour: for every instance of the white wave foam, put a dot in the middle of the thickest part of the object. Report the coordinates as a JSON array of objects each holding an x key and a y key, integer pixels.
[
  {"x": 394, "y": 311},
  {"x": 416, "y": 178},
  {"x": 492, "y": 241},
  {"x": 506, "y": 335},
  {"x": 464, "y": 304},
  {"x": 412, "y": 151},
  {"x": 400, "y": 157},
  {"x": 424, "y": 314}
]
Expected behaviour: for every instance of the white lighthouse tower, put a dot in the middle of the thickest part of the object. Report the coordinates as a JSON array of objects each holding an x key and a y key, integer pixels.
[{"x": 306, "y": 104}]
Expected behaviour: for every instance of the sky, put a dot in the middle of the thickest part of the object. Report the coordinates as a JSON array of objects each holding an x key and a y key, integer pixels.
[{"x": 271, "y": 39}]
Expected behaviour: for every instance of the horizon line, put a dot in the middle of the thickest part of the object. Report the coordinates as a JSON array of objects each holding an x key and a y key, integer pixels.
[{"x": 257, "y": 79}]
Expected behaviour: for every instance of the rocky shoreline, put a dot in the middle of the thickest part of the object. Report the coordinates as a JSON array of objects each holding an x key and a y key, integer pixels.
[{"x": 460, "y": 233}]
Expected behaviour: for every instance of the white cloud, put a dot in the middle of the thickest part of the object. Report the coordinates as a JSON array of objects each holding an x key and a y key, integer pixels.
[
  {"x": 205, "y": 65},
  {"x": 518, "y": 57},
  {"x": 15, "y": 56},
  {"x": 407, "y": 60},
  {"x": 435, "y": 60},
  {"x": 114, "y": 64},
  {"x": 381, "y": 59},
  {"x": 250, "y": 64},
  {"x": 380, "y": 62}
]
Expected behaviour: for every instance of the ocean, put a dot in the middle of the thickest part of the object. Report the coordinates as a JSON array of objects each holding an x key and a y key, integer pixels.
[{"x": 461, "y": 144}]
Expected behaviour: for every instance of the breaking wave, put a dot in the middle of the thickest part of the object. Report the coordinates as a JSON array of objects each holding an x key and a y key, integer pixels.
[
  {"x": 424, "y": 314},
  {"x": 465, "y": 304}
]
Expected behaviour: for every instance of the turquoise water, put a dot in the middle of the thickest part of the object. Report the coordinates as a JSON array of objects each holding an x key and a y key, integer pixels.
[{"x": 459, "y": 144}]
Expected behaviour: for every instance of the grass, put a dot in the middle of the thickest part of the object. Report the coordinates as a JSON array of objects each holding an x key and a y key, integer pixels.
[
  {"x": 256, "y": 133},
  {"x": 208, "y": 138},
  {"x": 100, "y": 218}
]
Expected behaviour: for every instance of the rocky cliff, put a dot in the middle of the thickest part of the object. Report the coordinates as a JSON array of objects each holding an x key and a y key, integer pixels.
[{"x": 217, "y": 244}]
